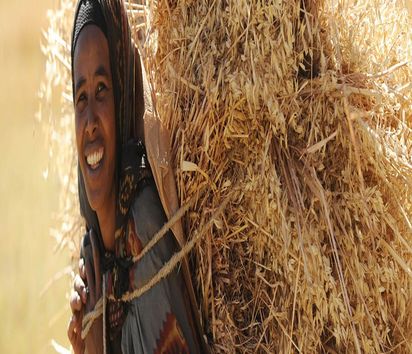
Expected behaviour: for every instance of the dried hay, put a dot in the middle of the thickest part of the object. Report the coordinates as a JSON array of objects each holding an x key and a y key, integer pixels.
[
  {"x": 298, "y": 114},
  {"x": 57, "y": 118}
]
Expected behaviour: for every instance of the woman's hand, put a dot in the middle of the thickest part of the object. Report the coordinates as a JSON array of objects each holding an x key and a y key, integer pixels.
[
  {"x": 94, "y": 339},
  {"x": 87, "y": 291},
  {"x": 78, "y": 299}
]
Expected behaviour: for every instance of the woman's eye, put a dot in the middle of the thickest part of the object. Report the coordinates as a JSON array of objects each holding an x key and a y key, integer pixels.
[
  {"x": 81, "y": 101},
  {"x": 100, "y": 88}
]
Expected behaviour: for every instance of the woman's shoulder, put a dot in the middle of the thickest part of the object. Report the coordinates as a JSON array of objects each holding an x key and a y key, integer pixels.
[
  {"x": 149, "y": 217},
  {"x": 147, "y": 203}
]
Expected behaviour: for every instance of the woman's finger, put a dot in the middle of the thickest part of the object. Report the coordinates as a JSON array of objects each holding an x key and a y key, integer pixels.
[
  {"x": 78, "y": 345},
  {"x": 80, "y": 287},
  {"x": 82, "y": 269},
  {"x": 74, "y": 334},
  {"x": 70, "y": 328},
  {"x": 78, "y": 322},
  {"x": 75, "y": 301}
]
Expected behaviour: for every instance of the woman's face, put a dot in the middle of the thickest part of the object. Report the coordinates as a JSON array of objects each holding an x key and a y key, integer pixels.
[{"x": 95, "y": 116}]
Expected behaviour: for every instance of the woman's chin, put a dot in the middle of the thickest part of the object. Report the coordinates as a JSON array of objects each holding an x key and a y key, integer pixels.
[
  {"x": 94, "y": 180},
  {"x": 100, "y": 199},
  {"x": 99, "y": 183},
  {"x": 98, "y": 194},
  {"x": 95, "y": 200}
]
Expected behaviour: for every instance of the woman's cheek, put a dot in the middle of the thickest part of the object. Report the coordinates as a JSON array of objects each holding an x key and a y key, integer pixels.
[{"x": 78, "y": 130}]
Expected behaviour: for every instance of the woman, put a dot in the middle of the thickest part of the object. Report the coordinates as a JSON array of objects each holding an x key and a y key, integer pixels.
[{"x": 119, "y": 199}]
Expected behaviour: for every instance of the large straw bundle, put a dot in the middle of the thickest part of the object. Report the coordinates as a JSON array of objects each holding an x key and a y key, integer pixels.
[
  {"x": 298, "y": 115},
  {"x": 279, "y": 106}
]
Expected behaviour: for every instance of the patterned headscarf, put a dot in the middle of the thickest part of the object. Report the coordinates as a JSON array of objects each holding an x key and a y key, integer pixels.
[{"x": 131, "y": 167}]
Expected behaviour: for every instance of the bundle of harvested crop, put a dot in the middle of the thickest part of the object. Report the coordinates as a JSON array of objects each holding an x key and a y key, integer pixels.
[
  {"x": 300, "y": 113},
  {"x": 298, "y": 116}
]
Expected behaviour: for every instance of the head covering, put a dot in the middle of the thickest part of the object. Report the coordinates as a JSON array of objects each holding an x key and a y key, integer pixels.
[
  {"x": 131, "y": 165},
  {"x": 89, "y": 13}
]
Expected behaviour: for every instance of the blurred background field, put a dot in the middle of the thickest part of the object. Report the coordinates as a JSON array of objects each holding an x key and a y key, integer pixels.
[{"x": 31, "y": 312}]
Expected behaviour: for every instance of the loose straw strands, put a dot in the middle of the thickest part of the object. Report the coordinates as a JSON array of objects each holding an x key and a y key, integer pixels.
[{"x": 287, "y": 98}]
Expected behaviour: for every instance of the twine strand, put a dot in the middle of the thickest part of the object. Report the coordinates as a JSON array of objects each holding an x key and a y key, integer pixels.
[
  {"x": 89, "y": 318},
  {"x": 176, "y": 258}
]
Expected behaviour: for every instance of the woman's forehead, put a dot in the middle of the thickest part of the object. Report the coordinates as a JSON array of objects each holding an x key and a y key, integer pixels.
[{"x": 91, "y": 50}]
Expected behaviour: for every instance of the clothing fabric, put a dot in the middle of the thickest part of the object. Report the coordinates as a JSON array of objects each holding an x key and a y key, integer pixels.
[
  {"x": 165, "y": 318},
  {"x": 159, "y": 315}
]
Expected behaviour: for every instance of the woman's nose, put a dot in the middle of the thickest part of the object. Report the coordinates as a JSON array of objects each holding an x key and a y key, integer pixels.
[{"x": 91, "y": 124}]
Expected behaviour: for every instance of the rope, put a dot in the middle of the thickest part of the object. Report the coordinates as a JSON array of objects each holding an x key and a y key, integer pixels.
[
  {"x": 101, "y": 303},
  {"x": 100, "y": 306},
  {"x": 176, "y": 258},
  {"x": 104, "y": 313},
  {"x": 177, "y": 216},
  {"x": 89, "y": 318}
]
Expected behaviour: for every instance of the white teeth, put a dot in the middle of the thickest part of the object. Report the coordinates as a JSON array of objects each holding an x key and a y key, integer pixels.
[{"x": 95, "y": 157}]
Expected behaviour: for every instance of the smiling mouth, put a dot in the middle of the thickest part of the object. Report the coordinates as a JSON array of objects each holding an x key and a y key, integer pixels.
[{"x": 93, "y": 159}]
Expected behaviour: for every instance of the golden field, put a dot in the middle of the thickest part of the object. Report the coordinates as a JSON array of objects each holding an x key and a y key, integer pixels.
[{"x": 33, "y": 310}]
